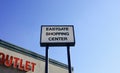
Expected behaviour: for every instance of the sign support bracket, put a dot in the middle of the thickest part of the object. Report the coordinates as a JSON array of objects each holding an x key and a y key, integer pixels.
[
  {"x": 69, "y": 61},
  {"x": 46, "y": 60}
]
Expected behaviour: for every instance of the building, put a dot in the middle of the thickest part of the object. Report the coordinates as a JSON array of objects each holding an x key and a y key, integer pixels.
[{"x": 14, "y": 59}]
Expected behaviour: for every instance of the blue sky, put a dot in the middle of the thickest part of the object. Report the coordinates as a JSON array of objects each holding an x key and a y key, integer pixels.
[{"x": 96, "y": 23}]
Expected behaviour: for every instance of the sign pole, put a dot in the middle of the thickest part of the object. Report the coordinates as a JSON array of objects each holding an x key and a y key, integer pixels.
[
  {"x": 69, "y": 61},
  {"x": 46, "y": 60}
]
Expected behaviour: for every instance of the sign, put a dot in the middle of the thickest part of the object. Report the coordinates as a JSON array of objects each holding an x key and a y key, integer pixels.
[
  {"x": 57, "y": 35},
  {"x": 16, "y": 62}
]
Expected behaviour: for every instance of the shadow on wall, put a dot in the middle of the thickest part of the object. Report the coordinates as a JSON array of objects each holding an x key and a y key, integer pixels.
[{"x": 4, "y": 69}]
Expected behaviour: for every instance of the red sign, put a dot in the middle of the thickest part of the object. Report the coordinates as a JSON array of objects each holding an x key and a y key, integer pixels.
[{"x": 16, "y": 62}]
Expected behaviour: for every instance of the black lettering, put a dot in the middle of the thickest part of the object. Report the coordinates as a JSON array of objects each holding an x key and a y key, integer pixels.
[
  {"x": 57, "y": 29},
  {"x": 46, "y": 29},
  {"x": 57, "y": 33},
  {"x": 57, "y": 39}
]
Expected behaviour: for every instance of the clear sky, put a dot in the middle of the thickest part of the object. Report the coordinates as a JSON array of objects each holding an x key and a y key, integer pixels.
[{"x": 96, "y": 23}]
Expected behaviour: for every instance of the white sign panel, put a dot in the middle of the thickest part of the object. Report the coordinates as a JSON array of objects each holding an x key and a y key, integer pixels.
[{"x": 57, "y": 35}]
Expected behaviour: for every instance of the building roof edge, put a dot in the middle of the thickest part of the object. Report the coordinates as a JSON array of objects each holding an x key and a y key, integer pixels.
[{"x": 21, "y": 50}]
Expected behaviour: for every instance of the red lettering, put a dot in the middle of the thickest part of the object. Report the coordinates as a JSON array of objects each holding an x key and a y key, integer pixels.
[
  {"x": 15, "y": 62},
  {"x": 27, "y": 66},
  {"x": 21, "y": 67},
  {"x": 33, "y": 66},
  {"x": 8, "y": 62},
  {"x": 2, "y": 56}
]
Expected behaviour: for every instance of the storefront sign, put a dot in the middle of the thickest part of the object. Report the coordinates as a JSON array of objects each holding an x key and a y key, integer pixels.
[
  {"x": 16, "y": 62},
  {"x": 57, "y": 35}
]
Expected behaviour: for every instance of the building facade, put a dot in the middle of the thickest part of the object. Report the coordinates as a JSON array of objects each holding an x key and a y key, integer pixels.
[{"x": 14, "y": 59}]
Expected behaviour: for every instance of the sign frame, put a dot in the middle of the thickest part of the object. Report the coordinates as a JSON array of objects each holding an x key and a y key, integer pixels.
[{"x": 57, "y": 43}]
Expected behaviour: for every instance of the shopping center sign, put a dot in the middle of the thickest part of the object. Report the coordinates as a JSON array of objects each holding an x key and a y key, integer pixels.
[{"x": 57, "y": 35}]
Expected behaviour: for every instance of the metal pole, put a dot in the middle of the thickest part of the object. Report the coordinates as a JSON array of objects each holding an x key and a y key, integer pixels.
[
  {"x": 69, "y": 61},
  {"x": 46, "y": 60}
]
